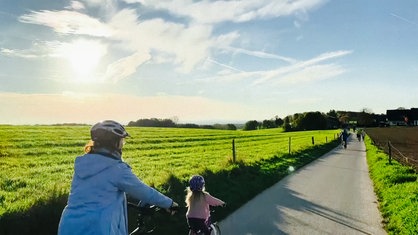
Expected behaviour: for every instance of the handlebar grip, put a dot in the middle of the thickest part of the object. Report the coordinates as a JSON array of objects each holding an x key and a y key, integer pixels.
[{"x": 174, "y": 208}]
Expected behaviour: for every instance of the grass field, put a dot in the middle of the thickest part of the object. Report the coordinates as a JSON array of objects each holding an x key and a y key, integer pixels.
[
  {"x": 396, "y": 187},
  {"x": 36, "y": 164}
]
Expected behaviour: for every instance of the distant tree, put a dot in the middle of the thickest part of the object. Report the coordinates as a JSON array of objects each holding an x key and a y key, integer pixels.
[
  {"x": 313, "y": 121},
  {"x": 225, "y": 127},
  {"x": 287, "y": 124},
  {"x": 267, "y": 124},
  {"x": 132, "y": 123},
  {"x": 296, "y": 121},
  {"x": 167, "y": 123},
  {"x": 153, "y": 122},
  {"x": 188, "y": 125},
  {"x": 207, "y": 127},
  {"x": 365, "y": 119},
  {"x": 332, "y": 113},
  {"x": 231, "y": 127},
  {"x": 278, "y": 121},
  {"x": 251, "y": 125}
]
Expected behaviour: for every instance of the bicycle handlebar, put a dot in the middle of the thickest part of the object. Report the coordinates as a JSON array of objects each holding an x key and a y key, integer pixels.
[{"x": 147, "y": 209}]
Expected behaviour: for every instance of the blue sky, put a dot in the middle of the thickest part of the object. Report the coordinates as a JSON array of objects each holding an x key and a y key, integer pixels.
[{"x": 204, "y": 61}]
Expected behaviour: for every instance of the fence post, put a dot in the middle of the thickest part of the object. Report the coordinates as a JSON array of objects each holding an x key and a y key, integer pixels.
[
  {"x": 313, "y": 140},
  {"x": 390, "y": 152},
  {"x": 233, "y": 150},
  {"x": 290, "y": 141}
]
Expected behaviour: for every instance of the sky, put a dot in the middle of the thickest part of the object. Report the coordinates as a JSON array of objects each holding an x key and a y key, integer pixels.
[{"x": 204, "y": 61}]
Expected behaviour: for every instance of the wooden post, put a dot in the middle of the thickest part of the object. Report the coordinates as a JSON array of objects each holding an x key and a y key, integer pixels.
[
  {"x": 313, "y": 140},
  {"x": 290, "y": 141},
  {"x": 233, "y": 151},
  {"x": 390, "y": 152}
]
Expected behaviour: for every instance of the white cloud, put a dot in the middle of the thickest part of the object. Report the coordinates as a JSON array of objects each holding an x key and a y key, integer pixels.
[
  {"x": 39, "y": 49},
  {"x": 300, "y": 71},
  {"x": 210, "y": 12},
  {"x": 17, "y": 53},
  {"x": 126, "y": 66},
  {"x": 185, "y": 45},
  {"x": 224, "y": 66},
  {"x": 67, "y": 22},
  {"x": 403, "y": 19},
  {"x": 76, "y": 5},
  {"x": 312, "y": 74},
  {"x": 261, "y": 54},
  {"x": 96, "y": 2}
]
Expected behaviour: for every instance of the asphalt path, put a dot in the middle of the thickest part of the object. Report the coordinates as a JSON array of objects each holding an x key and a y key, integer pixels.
[{"x": 332, "y": 195}]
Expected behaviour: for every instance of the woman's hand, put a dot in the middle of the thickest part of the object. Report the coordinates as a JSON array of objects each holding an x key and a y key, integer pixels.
[{"x": 173, "y": 208}]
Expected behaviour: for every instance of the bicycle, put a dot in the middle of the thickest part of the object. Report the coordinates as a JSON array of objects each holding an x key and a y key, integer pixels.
[
  {"x": 145, "y": 221},
  {"x": 344, "y": 143},
  {"x": 213, "y": 228}
]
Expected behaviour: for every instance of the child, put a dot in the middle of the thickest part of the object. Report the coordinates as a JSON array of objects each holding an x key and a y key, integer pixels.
[{"x": 198, "y": 202}]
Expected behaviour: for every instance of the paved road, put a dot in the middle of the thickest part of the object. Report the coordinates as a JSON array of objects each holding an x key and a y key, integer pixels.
[{"x": 333, "y": 195}]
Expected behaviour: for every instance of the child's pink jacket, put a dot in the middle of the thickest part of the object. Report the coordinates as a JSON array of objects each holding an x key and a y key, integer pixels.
[{"x": 201, "y": 209}]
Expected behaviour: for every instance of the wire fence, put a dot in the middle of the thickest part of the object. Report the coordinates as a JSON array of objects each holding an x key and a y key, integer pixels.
[
  {"x": 394, "y": 153},
  {"x": 293, "y": 143}
]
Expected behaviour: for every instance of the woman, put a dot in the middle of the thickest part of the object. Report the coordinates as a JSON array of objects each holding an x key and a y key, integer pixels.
[{"x": 97, "y": 201}]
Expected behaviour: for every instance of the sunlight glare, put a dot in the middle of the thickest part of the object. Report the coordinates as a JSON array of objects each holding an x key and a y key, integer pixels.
[{"x": 84, "y": 57}]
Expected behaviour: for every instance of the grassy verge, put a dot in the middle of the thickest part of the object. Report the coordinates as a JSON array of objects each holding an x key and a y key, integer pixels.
[{"x": 396, "y": 187}]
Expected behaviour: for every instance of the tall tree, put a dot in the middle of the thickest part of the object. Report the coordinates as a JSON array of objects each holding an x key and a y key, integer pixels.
[{"x": 251, "y": 125}]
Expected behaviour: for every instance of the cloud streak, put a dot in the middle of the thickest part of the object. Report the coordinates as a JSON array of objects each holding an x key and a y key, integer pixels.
[
  {"x": 67, "y": 22},
  {"x": 403, "y": 19},
  {"x": 300, "y": 72},
  {"x": 212, "y": 12},
  {"x": 261, "y": 54}
]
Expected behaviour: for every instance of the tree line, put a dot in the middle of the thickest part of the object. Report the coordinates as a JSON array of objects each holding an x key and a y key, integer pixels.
[
  {"x": 296, "y": 122},
  {"x": 156, "y": 122}
]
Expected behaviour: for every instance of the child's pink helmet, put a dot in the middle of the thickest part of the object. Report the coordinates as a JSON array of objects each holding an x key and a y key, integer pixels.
[{"x": 197, "y": 182}]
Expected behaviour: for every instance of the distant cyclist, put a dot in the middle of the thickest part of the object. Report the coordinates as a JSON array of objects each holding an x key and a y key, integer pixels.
[
  {"x": 344, "y": 137},
  {"x": 97, "y": 201},
  {"x": 198, "y": 202}
]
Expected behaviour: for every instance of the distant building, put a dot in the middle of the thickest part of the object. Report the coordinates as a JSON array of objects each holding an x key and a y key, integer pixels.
[{"x": 402, "y": 117}]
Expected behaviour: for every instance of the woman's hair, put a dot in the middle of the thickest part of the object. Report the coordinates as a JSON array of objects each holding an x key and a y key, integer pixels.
[
  {"x": 194, "y": 196},
  {"x": 110, "y": 144},
  {"x": 88, "y": 148}
]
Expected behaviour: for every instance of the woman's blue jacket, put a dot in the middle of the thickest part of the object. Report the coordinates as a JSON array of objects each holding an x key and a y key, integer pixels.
[{"x": 97, "y": 200}]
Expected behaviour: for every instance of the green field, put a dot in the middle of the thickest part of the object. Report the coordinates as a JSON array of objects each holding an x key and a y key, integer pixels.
[
  {"x": 396, "y": 187},
  {"x": 36, "y": 163}
]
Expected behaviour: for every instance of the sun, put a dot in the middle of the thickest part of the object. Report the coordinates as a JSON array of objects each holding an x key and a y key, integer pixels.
[{"x": 84, "y": 57}]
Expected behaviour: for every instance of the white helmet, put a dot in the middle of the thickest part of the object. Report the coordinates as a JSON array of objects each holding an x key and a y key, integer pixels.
[{"x": 107, "y": 130}]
